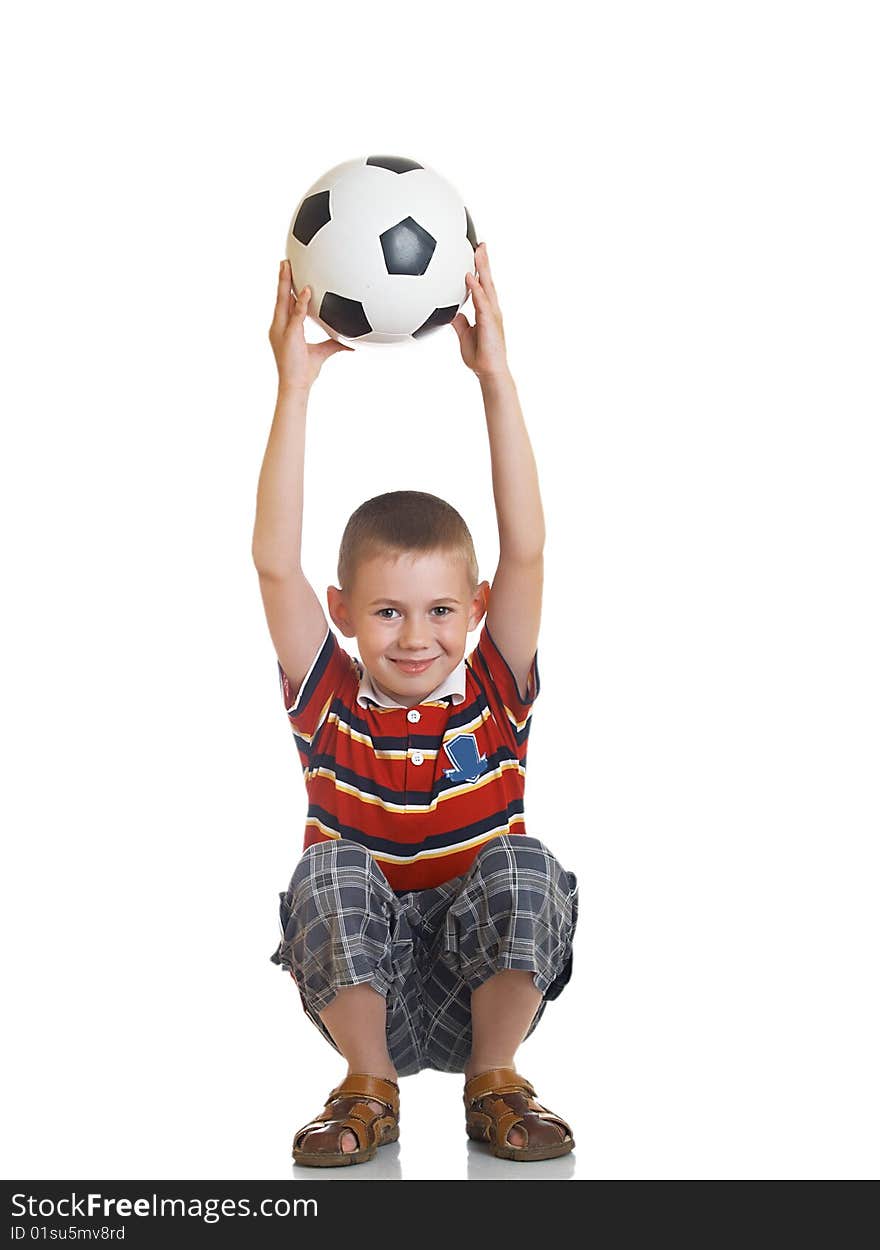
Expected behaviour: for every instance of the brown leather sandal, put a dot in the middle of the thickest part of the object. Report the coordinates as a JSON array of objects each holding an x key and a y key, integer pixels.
[
  {"x": 347, "y": 1108},
  {"x": 497, "y": 1100}
]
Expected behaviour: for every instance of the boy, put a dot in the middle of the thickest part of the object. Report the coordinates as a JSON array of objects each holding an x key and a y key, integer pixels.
[{"x": 422, "y": 926}]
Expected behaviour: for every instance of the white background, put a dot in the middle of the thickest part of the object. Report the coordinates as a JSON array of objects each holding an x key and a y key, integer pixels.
[{"x": 680, "y": 203}]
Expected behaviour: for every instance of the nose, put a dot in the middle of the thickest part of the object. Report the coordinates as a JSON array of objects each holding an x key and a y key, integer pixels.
[{"x": 414, "y": 637}]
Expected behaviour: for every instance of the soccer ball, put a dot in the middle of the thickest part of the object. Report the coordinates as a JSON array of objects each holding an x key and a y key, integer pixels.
[{"x": 384, "y": 243}]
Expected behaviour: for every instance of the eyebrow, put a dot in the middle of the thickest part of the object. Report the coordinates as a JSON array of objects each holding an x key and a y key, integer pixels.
[{"x": 394, "y": 603}]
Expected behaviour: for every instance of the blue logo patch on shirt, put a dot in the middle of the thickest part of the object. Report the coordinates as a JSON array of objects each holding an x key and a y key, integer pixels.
[{"x": 465, "y": 755}]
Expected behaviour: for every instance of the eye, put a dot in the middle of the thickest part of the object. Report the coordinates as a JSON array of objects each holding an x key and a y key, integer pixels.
[{"x": 447, "y": 611}]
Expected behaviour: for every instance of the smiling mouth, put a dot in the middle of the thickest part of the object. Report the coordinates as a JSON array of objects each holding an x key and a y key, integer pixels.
[{"x": 414, "y": 666}]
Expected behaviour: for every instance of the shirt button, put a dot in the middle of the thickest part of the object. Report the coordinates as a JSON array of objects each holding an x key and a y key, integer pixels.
[
  {"x": 413, "y": 715},
  {"x": 417, "y": 757}
]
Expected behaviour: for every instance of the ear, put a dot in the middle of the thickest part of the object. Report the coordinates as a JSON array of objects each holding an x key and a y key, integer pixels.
[
  {"x": 339, "y": 611},
  {"x": 479, "y": 606}
]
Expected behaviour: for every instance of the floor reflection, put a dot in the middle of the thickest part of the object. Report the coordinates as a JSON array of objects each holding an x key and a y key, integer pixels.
[
  {"x": 483, "y": 1166},
  {"x": 384, "y": 1166}
]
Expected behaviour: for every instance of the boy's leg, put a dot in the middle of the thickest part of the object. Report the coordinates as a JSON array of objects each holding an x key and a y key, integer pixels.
[
  {"x": 338, "y": 944},
  {"x": 356, "y": 1020},
  {"x": 502, "y": 1009},
  {"x": 508, "y": 939}
]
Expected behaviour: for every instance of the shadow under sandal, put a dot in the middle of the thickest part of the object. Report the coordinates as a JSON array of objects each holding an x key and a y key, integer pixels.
[
  {"x": 496, "y": 1101},
  {"x": 317, "y": 1144}
]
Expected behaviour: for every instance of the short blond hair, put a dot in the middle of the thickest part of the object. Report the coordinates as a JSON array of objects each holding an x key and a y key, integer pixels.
[{"x": 401, "y": 522}]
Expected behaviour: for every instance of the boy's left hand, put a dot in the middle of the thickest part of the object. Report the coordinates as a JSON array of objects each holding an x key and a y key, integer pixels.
[{"x": 482, "y": 345}]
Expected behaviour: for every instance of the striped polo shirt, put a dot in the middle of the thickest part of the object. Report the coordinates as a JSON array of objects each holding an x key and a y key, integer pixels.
[{"x": 422, "y": 788}]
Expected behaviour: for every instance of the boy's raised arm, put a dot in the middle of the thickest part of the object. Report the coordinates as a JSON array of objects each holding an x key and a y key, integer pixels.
[
  {"x": 514, "y": 614},
  {"x": 296, "y": 620}
]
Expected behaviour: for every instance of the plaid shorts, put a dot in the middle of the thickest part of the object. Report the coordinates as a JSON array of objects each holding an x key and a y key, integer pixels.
[{"x": 426, "y": 950}]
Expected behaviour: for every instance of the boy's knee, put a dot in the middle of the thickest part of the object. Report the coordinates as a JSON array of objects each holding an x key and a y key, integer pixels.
[
  {"x": 516, "y": 872},
  {"x": 329, "y": 856},
  {"x": 511, "y": 853},
  {"x": 337, "y": 870}
]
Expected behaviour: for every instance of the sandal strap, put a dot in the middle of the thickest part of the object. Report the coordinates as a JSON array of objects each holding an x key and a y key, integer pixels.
[
  {"x": 496, "y": 1081},
  {"x": 364, "y": 1085},
  {"x": 353, "y": 1123},
  {"x": 501, "y": 1120}
]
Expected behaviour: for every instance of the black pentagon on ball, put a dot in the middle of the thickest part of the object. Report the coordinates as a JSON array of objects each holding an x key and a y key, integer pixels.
[
  {"x": 407, "y": 247},
  {"x": 314, "y": 212},
  {"x": 439, "y": 317},
  {"x": 471, "y": 232},
  {"x": 397, "y": 164},
  {"x": 345, "y": 316}
]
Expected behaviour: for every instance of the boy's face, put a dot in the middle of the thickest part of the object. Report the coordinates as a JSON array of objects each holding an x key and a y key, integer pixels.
[{"x": 411, "y": 615}]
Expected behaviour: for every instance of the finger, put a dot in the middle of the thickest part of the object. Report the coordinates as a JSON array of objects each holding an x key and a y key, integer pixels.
[
  {"x": 300, "y": 304},
  {"x": 282, "y": 300},
  {"x": 460, "y": 324},
  {"x": 478, "y": 292},
  {"x": 330, "y": 347},
  {"x": 481, "y": 258}
]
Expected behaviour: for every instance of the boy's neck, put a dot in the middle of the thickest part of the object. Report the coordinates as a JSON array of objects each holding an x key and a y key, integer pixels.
[{"x": 386, "y": 693}]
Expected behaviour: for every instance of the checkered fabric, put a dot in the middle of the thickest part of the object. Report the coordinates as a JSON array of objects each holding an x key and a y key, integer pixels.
[{"x": 426, "y": 950}]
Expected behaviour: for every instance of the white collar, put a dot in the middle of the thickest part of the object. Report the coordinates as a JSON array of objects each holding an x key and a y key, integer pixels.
[{"x": 454, "y": 685}]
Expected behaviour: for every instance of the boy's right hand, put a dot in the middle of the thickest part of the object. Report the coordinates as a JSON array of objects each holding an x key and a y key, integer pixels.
[{"x": 299, "y": 362}]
